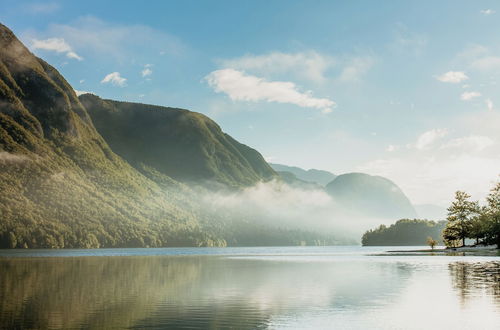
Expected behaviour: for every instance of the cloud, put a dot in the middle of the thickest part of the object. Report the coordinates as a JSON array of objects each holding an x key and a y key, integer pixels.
[
  {"x": 78, "y": 92},
  {"x": 310, "y": 65},
  {"x": 433, "y": 178},
  {"x": 487, "y": 12},
  {"x": 453, "y": 77},
  {"x": 426, "y": 139},
  {"x": 113, "y": 42},
  {"x": 115, "y": 79},
  {"x": 489, "y": 104},
  {"x": 242, "y": 87},
  {"x": 355, "y": 69},
  {"x": 486, "y": 64},
  {"x": 472, "y": 142},
  {"x": 467, "y": 96},
  {"x": 467, "y": 160},
  {"x": 58, "y": 45},
  {"x": 391, "y": 148},
  {"x": 147, "y": 71}
]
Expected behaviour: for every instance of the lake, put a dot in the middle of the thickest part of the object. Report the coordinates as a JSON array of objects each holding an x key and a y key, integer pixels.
[{"x": 247, "y": 288}]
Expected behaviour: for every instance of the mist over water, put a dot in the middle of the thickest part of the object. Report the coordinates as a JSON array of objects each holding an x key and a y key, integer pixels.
[{"x": 282, "y": 205}]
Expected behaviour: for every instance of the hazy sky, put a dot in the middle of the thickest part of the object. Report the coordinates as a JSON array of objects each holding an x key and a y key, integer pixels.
[{"x": 405, "y": 89}]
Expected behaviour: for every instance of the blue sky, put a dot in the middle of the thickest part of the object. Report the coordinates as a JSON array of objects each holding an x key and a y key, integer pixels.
[{"x": 403, "y": 89}]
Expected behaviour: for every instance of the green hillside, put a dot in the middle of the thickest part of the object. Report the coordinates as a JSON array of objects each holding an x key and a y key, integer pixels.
[
  {"x": 62, "y": 186},
  {"x": 182, "y": 144},
  {"x": 371, "y": 195}
]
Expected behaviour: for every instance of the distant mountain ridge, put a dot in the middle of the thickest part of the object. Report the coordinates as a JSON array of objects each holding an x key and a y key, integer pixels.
[
  {"x": 358, "y": 193},
  {"x": 317, "y": 176},
  {"x": 182, "y": 144},
  {"x": 373, "y": 195}
]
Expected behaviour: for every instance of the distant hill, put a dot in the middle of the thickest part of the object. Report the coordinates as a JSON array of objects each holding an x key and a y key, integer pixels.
[
  {"x": 405, "y": 232},
  {"x": 292, "y": 180},
  {"x": 182, "y": 144},
  {"x": 318, "y": 176},
  {"x": 371, "y": 195}
]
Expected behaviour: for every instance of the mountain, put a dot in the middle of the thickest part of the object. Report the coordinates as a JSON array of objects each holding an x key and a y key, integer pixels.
[
  {"x": 63, "y": 186},
  {"x": 318, "y": 176},
  {"x": 374, "y": 196},
  {"x": 292, "y": 180},
  {"x": 182, "y": 144}
]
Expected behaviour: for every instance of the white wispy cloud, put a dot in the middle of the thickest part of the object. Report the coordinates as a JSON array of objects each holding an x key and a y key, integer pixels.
[
  {"x": 486, "y": 64},
  {"x": 391, "y": 148},
  {"x": 112, "y": 41},
  {"x": 434, "y": 177},
  {"x": 310, "y": 65},
  {"x": 453, "y": 77},
  {"x": 489, "y": 104},
  {"x": 78, "y": 92},
  {"x": 147, "y": 71},
  {"x": 467, "y": 96},
  {"x": 114, "y": 78},
  {"x": 242, "y": 87},
  {"x": 426, "y": 139},
  {"x": 466, "y": 158},
  {"x": 356, "y": 68},
  {"x": 472, "y": 142},
  {"x": 58, "y": 45},
  {"x": 487, "y": 11}
]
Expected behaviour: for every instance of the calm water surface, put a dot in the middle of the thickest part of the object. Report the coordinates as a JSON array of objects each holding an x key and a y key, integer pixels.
[{"x": 247, "y": 288}]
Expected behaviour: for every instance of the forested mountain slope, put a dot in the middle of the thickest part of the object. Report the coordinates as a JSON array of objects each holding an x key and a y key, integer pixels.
[
  {"x": 182, "y": 144},
  {"x": 63, "y": 186}
]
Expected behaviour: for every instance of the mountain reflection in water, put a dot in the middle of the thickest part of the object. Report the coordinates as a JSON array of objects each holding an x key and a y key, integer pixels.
[{"x": 240, "y": 292}]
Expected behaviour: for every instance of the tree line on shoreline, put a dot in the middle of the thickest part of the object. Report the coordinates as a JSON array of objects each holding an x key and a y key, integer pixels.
[{"x": 466, "y": 219}]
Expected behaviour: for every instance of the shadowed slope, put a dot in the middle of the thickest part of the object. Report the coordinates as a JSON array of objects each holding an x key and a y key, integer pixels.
[{"x": 185, "y": 145}]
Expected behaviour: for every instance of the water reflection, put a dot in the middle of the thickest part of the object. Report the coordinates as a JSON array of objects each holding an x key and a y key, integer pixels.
[
  {"x": 475, "y": 279},
  {"x": 216, "y": 292}
]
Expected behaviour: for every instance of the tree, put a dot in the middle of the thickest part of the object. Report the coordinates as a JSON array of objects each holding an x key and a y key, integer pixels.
[
  {"x": 479, "y": 226},
  {"x": 451, "y": 235},
  {"x": 492, "y": 213},
  {"x": 431, "y": 242},
  {"x": 460, "y": 214}
]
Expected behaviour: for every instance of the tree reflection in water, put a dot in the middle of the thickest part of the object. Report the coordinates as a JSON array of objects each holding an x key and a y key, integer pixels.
[{"x": 475, "y": 279}]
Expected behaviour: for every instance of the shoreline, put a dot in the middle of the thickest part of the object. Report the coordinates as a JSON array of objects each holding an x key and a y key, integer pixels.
[{"x": 488, "y": 248}]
